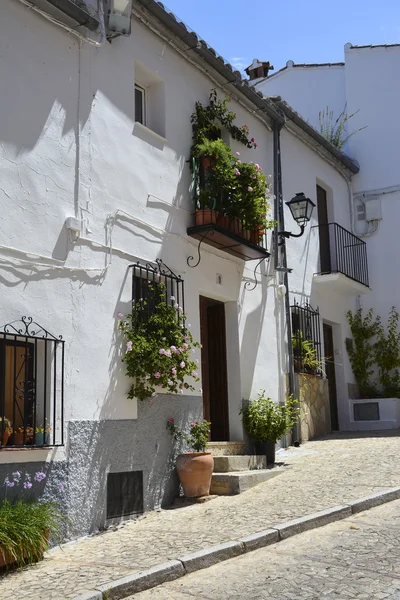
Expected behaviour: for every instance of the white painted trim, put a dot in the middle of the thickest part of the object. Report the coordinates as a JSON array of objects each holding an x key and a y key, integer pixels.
[{"x": 149, "y": 132}]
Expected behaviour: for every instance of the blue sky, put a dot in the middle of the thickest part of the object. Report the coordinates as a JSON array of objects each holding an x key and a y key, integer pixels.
[{"x": 299, "y": 30}]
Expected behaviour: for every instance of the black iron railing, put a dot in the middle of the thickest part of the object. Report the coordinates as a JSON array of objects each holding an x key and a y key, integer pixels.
[
  {"x": 148, "y": 280},
  {"x": 31, "y": 385},
  {"x": 306, "y": 339},
  {"x": 342, "y": 252},
  {"x": 216, "y": 207}
]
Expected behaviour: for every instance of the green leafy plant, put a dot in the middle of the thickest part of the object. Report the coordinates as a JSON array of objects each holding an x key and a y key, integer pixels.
[
  {"x": 361, "y": 348},
  {"x": 159, "y": 346},
  {"x": 197, "y": 436},
  {"x": 27, "y": 524},
  {"x": 387, "y": 355},
  {"x": 208, "y": 120},
  {"x": 334, "y": 130},
  {"x": 266, "y": 421},
  {"x": 305, "y": 354},
  {"x": 7, "y": 425}
]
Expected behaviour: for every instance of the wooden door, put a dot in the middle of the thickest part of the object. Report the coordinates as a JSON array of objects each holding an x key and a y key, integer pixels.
[
  {"x": 324, "y": 245},
  {"x": 331, "y": 375},
  {"x": 214, "y": 367}
]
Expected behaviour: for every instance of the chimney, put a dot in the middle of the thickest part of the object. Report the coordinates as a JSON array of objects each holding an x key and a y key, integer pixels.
[{"x": 258, "y": 70}]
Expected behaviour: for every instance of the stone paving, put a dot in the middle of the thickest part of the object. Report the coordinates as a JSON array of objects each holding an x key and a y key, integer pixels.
[
  {"x": 318, "y": 475},
  {"x": 357, "y": 558}
]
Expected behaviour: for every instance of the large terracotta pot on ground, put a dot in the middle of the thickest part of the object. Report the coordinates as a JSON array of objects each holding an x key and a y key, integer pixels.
[
  {"x": 195, "y": 471},
  {"x": 266, "y": 449},
  {"x": 203, "y": 217}
]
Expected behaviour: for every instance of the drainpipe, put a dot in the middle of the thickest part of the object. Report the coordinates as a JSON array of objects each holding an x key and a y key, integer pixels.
[{"x": 280, "y": 263}]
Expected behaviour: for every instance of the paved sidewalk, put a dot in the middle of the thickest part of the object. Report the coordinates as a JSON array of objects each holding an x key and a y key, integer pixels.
[
  {"x": 357, "y": 558},
  {"x": 318, "y": 475}
]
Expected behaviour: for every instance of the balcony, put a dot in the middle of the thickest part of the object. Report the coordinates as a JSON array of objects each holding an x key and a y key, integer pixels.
[
  {"x": 236, "y": 226},
  {"x": 343, "y": 260}
]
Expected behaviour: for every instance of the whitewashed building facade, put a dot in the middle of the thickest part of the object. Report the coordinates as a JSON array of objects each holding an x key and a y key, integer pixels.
[{"x": 92, "y": 183}]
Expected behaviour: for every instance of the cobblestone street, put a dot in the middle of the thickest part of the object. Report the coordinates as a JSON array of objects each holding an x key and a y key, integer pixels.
[
  {"x": 318, "y": 475},
  {"x": 353, "y": 559}
]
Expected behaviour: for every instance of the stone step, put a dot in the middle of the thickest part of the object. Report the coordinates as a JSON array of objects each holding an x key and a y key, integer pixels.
[
  {"x": 229, "y": 484},
  {"x": 226, "y": 448},
  {"x": 228, "y": 464}
]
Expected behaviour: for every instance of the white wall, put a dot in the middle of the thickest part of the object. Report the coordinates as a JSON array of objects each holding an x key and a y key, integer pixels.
[
  {"x": 309, "y": 90},
  {"x": 69, "y": 147}
]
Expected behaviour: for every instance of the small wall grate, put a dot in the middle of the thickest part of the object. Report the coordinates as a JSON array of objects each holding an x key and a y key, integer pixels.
[
  {"x": 124, "y": 494},
  {"x": 366, "y": 411}
]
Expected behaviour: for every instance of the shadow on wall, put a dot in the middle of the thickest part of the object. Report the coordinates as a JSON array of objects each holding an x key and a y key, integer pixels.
[
  {"x": 97, "y": 448},
  {"x": 252, "y": 330}
]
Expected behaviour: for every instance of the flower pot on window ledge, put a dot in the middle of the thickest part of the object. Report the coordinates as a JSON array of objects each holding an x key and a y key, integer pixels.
[
  {"x": 206, "y": 216},
  {"x": 195, "y": 470},
  {"x": 18, "y": 437},
  {"x": 6, "y": 436},
  {"x": 42, "y": 438}
]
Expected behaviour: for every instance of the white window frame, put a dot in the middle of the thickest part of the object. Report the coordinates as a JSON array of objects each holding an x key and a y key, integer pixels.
[{"x": 143, "y": 90}]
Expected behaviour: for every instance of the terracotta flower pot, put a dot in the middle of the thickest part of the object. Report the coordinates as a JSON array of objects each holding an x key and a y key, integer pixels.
[
  {"x": 257, "y": 234},
  {"x": 223, "y": 221},
  {"x": 207, "y": 162},
  {"x": 203, "y": 217},
  {"x": 195, "y": 471},
  {"x": 6, "y": 435}
]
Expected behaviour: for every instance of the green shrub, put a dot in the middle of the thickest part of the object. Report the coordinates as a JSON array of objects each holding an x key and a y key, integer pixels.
[
  {"x": 266, "y": 421},
  {"x": 25, "y": 527}
]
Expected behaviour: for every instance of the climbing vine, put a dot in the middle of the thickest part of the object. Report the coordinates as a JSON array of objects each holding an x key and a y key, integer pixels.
[{"x": 374, "y": 353}]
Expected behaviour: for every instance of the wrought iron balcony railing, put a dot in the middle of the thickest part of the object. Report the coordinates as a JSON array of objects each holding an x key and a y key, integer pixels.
[
  {"x": 215, "y": 223},
  {"x": 342, "y": 252}
]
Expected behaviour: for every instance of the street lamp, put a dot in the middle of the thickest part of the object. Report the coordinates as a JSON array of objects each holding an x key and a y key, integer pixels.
[{"x": 301, "y": 209}]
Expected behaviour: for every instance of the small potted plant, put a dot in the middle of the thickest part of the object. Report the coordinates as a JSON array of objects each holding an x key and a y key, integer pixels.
[
  {"x": 194, "y": 468},
  {"x": 22, "y": 436},
  {"x": 266, "y": 422},
  {"x": 5, "y": 431},
  {"x": 42, "y": 435}
]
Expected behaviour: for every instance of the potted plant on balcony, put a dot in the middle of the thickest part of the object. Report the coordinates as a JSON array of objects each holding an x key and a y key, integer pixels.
[
  {"x": 6, "y": 430},
  {"x": 215, "y": 176},
  {"x": 194, "y": 468},
  {"x": 266, "y": 422},
  {"x": 251, "y": 188}
]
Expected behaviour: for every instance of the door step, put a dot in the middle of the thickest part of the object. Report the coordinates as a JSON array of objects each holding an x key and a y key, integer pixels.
[
  {"x": 230, "y": 484},
  {"x": 229, "y": 464},
  {"x": 226, "y": 448}
]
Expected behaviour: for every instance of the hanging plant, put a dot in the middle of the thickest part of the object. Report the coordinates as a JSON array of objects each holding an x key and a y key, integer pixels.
[
  {"x": 159, "y": 346},
  {"x": 207, "y": 122}
]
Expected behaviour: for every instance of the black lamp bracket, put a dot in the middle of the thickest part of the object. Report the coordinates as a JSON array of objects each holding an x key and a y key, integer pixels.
[{"x": 288, "y": 234}]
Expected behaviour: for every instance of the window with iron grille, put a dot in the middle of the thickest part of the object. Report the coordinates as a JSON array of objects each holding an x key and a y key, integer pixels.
[
  {"x": 306, "y": 339},
  {"x": 31, "y": 385},
  {"x": 148, "y": 281}
]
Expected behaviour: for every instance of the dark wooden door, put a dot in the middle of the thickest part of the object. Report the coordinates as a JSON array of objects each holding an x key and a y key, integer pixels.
[
  {"x": 331, "y": 376},
  {"x": 324, "y": 246},
  {"x": 213, "y": 367}
]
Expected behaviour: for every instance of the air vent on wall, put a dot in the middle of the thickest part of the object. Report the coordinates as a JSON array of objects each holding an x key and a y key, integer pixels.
[{"x": 124, "y": 494}]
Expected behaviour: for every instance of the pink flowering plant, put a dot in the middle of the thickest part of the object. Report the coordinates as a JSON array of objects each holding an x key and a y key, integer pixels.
[
  {"x": 196, "y": 436},
  {"x": 158, "y": 346}
]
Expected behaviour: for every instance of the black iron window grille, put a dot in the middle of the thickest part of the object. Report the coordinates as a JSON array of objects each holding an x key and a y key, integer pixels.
[
  {"x": 147, "y": 282},
  {"x": 31, "y": 385},
  {"x": 306, "y": 339}
]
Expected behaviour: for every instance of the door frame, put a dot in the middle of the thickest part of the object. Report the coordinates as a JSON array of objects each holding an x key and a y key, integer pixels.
[
  {"x": 330, "y": 370},
  {"x": 218, "y": 354}
]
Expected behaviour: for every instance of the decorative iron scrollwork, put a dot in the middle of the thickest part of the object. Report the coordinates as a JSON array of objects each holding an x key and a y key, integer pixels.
[
  {"x": 27, "y": 327},
  {"x": 191, "y": 258},
  {"x": 249, "y": 286}
]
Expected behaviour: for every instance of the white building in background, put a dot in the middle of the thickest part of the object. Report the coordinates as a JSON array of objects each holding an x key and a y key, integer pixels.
[
  {"x": 94, "y": 148},
  {"x": 367, "y": 84}
]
